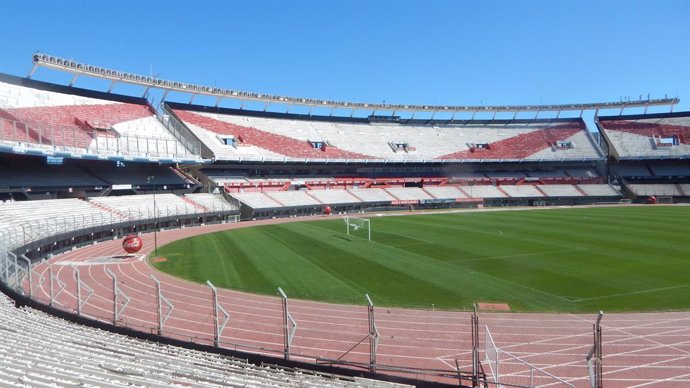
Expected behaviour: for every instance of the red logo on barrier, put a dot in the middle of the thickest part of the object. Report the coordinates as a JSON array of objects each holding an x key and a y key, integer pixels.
[{"x": 132, "y": 244}]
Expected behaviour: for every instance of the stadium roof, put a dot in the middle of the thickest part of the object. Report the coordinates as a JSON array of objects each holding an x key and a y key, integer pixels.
[{"x": 115, "y": 76}]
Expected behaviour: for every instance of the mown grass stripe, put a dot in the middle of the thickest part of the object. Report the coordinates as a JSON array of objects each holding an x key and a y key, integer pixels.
[{"x": 573, "y": 259}]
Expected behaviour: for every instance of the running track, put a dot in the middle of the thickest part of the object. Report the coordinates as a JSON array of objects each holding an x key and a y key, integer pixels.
[{"x": 640, "y": 350}]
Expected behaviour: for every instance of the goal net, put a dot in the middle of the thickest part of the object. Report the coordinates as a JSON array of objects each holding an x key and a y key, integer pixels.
[
  {"x": 664, "y": 199},
  {"x": 360, "y": 227}
]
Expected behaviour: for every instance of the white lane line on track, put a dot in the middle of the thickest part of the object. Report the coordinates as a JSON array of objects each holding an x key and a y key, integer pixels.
[{"x": 681, "y": 378}]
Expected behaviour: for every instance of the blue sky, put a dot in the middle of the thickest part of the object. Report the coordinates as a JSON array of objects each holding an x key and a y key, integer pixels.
[{"x": 414, "y": 52}]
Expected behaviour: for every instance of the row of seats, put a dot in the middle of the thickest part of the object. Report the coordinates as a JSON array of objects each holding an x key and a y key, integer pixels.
[
  {"x": 22, "y": 222},
  {"x": 640, "y": 137},
  {"x": 39, "y": 350},
  {"x": 150, "y": 206},
  {"x": 278, "y": 138},
  {"x": 301, "y": 198},
  {"x": 232, "y": 180},
  {"x": 36, "y": 118},
  {"x": 660, "y": 189}
]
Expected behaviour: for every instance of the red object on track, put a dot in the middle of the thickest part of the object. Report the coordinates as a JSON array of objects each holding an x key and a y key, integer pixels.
[
  {"x": 132, "y": 243},
  {"x": 327, "y": 210}
]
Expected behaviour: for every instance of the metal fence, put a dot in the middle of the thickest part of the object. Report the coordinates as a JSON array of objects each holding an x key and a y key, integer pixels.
[{"x": 426, "y": 344}]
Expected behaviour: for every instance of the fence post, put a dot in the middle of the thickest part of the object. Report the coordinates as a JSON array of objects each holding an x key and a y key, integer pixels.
[
  {"x": 217, "y": 329},
  {"x": 373, "y": 335},
  {"x": 288, "y": 332},
  {"x": 475, "y": 346},
  {"x": 117, "y": 292},
  {"x": 160, "y": 300},
  {"x": 594, "y": 357}
]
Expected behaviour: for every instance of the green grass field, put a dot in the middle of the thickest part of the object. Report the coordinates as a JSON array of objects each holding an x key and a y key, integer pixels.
[{"x": 571, "y": 260}]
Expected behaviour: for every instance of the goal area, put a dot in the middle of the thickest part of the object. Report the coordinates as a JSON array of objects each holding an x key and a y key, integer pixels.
[
  {"x": 665, "y": 199},
  {"x": 360, "y": 227}
]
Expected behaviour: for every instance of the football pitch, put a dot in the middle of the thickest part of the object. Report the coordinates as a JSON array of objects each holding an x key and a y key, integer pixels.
[{"x": 634, "y": 258}]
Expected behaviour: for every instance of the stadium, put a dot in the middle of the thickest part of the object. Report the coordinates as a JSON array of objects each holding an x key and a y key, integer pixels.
[{"x": 336, "y": 243}]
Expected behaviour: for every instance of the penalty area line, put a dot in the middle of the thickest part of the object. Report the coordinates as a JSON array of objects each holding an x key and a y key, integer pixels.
[
  {"x": 650, "y": 290},
  {"x": 565, "y": 298}
]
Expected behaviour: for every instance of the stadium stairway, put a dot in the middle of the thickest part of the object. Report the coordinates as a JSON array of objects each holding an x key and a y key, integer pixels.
[{"x": 195, "y": 204}]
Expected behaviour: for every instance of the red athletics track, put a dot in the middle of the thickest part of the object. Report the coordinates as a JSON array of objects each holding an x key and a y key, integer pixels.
[{"x": 640, "y": 350}]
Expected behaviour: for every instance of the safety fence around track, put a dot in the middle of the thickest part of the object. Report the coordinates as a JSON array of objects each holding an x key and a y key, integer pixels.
[{"x": 467, "y": 348}]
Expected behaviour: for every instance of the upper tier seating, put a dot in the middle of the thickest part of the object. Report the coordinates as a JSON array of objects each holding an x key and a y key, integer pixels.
[
  {"x": 655, "y": 136},
  {"x": 39, "y": 350},
  {"x": 34, "y": 117},
  {"x": 271, "y": 138}
]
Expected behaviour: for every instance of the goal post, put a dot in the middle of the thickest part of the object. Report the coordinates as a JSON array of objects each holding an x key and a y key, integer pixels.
[{"x": 358, "y": 227}]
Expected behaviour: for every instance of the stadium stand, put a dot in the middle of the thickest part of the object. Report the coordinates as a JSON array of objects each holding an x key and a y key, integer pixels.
[
  {"x": 86, "y": 149},
  {"x": 649, "y": 189},
  {"x": 257, "y": 200},
  {"x": 648, "y": 153},
  {"x": 47, "y": 117},
  {"x": 651, "y": 136},
  {"x": 408, "y": 194},
  {"x": 241, "y": 135},
  {"x": 137, "y": 207},
  {"x": 39, "y": 350},
  {"x": 372, "y": 195},
  {"x": 557, "y": 190},
  {"x": 334, "y": 197},
  {"x": 296, "y": 198},
  {"x": 521, "y": 191},
  {"x": 599, "y": 190},
  {"x": 22, "y": 224},
  {"x": 445, "y": 192},
  {"x": 210, "y": 202},
  {"x": 483, "y": 191}
]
